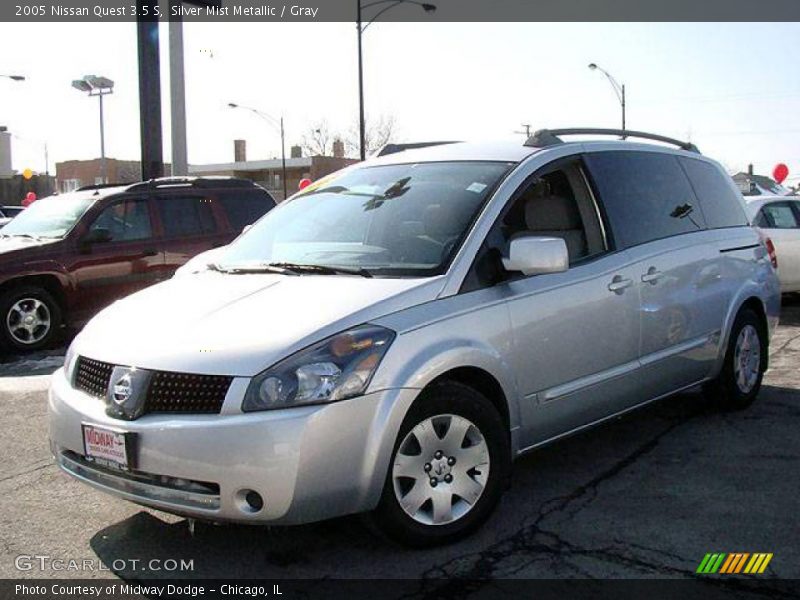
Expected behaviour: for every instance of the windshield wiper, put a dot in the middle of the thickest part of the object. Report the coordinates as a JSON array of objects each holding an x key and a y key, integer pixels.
[
  {"x": 321, "y": 269},
  {"x": 23, "y": 235},
  {"x": 249, "y": 269}
]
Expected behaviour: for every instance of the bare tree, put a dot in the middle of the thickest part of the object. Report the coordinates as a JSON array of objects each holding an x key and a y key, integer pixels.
[
  {"x": 377, "y": 134},
  {"x": 318, "y": 140}
]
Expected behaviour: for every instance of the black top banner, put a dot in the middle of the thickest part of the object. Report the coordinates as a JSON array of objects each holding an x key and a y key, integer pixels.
[{"x": 264, "y": 11}]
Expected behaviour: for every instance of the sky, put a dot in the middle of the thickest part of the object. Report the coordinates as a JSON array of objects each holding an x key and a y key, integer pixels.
[{"x": 729, "y": 87}]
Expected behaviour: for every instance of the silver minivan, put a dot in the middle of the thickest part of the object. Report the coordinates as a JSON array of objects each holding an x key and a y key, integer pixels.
[{"x": 393, "y": 336}]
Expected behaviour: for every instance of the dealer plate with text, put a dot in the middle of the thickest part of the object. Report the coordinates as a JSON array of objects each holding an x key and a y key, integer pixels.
[{"x": 106, "y": 444}]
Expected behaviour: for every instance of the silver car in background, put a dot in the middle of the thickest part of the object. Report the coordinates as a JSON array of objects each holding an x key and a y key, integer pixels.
[{"x": 393, "y": 336}]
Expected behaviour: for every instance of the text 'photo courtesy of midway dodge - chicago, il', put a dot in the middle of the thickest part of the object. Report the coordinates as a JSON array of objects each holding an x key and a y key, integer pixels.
[{"x": 388, "y": 340}]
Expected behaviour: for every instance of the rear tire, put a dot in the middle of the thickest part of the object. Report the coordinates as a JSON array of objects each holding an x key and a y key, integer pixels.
[
  {"x": 455, "y": 436},
  {"x": 30, "y": 319},
  {"x": 739, "y": 382}
]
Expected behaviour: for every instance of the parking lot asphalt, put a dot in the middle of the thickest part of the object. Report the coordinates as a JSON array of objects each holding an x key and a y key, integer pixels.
[{"x": 646, "y": 495}]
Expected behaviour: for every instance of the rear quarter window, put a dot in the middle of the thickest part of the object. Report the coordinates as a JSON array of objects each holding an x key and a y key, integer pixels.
[
  {"x": 646, "y": 195},
  {"x": 245, "y": 207},
  {"x": 720, "y": 205}
]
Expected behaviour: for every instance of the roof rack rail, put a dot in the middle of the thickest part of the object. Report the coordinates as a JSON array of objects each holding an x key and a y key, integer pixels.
[
  {"x": 394, "y": 148},
  {"x": 100, "y": 186},
  {"x": 195, "y": 182},
  {"x": 550, "y": 137}
]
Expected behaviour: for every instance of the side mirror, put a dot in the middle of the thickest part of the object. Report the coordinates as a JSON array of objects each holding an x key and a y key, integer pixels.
[
  {"x": 534, "y": 255},
  {"x": 97, "y": 236}
]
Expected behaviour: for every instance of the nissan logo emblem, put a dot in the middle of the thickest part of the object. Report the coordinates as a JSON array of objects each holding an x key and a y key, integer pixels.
[{"x": 123, "y": 390}]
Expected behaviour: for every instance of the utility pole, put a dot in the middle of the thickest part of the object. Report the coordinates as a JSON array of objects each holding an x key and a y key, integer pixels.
[
  {"x": 149, "y": 90},
  {"x": 527, "y": 131},
  {"x": 177, "y": 92}
]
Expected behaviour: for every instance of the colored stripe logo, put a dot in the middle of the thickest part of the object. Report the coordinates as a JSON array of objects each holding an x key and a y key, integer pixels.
[{"x": 733, "y": 563}]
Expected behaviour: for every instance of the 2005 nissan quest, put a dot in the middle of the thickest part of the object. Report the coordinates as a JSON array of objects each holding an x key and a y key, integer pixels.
[{"x": 393, "y": 336}]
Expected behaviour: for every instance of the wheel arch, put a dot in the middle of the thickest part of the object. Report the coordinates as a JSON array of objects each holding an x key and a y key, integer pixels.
[
  {"x": 481, "y": 381},
  {"x": 748, "y": 299},
  {"x": 50, "y": 282}
]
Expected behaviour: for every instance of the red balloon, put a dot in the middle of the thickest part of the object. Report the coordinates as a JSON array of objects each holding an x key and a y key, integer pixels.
[
  {"x": 30, "y": 198},
  {"x": 304, "y": 183},
  {"x": 780, "y": 172}
]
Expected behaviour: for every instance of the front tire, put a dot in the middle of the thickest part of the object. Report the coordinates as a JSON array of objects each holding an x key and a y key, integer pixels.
[
  {"x": 739, "y": 382},
  {"x": 30, "y": 319},
  {"x": 449, "y": 466}
]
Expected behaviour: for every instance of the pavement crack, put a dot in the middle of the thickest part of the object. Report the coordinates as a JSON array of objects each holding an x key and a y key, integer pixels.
[
  {"x": 535, "y": 543},
  {"x": 25, "y": 472}
]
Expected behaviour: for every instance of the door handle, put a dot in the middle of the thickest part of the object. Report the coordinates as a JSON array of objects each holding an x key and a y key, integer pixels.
[
  {"x": 652, "y": 276},
  {"x": 150, "y": 252},
  {"x": 618, "y": 284}
]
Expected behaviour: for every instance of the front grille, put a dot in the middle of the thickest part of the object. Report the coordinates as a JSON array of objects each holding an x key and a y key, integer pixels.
[
  {"x": 92, "y": 376},
  {"x": 168, "y": 392},
  {"x": 186, "y": 393}
]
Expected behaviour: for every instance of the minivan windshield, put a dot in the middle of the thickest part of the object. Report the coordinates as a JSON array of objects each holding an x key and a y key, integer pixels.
[
  {"x": 393, "y": 220},
  {"x": 51, "y": 217}
]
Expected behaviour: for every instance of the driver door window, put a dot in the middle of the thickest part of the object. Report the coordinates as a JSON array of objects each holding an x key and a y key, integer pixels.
[
  {"x": 557, "y": 204},
  {"x": 125, "y": 221}
]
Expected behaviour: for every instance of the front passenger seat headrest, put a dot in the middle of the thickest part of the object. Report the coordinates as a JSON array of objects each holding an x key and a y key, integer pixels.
[{"x": 550, "y": 213}]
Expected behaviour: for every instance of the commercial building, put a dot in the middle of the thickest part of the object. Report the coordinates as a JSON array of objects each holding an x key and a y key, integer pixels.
[{"x": 268, "y": 173}]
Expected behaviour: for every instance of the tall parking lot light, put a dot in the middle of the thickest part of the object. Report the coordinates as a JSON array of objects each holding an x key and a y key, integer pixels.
[
  {"x": 97, "y": 86},
  {"x": 619, "y": 89},
  {"x": 428, "y": 8},
  {"x": 277, "y": 124}
]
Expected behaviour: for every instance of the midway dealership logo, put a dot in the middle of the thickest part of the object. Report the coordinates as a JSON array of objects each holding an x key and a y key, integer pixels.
[{"x": 734, "y": 563}]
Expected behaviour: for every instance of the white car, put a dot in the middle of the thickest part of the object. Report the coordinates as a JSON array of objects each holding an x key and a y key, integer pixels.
[{"x": 779, "y": 218}]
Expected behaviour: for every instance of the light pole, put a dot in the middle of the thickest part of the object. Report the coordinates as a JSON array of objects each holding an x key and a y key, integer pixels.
[
  {"x": 619, "y": 89},
  {"x": 277, "y": 123},
  {"x": 14, "y": 77},
  {"x": 97, "y": 86},
  {"x": 359, "y": 8}
]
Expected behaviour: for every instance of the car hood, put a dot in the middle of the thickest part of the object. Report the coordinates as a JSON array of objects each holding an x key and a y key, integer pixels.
[
  {"x": 223, "y": 324},
  {"x": 17, "y": 243}
]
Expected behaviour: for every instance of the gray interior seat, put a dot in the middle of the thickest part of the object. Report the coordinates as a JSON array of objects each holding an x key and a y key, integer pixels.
[{"x": 557, "y": 216}]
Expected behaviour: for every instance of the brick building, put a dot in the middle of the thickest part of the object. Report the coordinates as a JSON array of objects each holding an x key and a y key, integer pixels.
[
  {"x": 267, "y": 173},
  {"x": 72, "y": 174}
]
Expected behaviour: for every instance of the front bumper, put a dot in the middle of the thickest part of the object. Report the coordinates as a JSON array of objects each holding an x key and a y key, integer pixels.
[{"x": 307, "y": 463}]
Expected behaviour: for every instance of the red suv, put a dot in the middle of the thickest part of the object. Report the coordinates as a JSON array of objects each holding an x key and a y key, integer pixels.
[{"x": 68, "y": 256}]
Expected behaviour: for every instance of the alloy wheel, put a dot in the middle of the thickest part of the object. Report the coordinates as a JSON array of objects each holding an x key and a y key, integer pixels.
[{"x": 28, "y": 321}]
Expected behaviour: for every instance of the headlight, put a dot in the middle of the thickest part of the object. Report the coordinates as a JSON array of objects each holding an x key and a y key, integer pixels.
[
  {"x": 334, "y": 369},
  {"x": 69, "y": 361}
]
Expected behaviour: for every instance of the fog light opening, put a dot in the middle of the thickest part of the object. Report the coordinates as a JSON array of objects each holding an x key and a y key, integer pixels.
[{"x": 249, "y": 501}]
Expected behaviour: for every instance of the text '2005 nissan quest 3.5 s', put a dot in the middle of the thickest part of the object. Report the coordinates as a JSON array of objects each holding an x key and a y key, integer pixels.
[{"x": 393, "y": 336}]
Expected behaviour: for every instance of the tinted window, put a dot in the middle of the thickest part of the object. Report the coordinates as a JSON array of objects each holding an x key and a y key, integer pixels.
[
  {"x": 646, "y": 195},
  {"x": 126, "y": 221},
  {"x": 720, "y": 205},
  {"x": 185, "y": 216},
  {"x": 245, "y": 207},
  {"x": 778, "y": 215}
]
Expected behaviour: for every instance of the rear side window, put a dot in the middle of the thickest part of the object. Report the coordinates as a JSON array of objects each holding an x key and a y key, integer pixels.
[
  {"x": 186, "y": 215},
  {"x": 720, "y": 205},
  {"x": 778, "y": 215},
  {"x": 645, "y": 194},
  {"x": 245, "y": 207}
]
